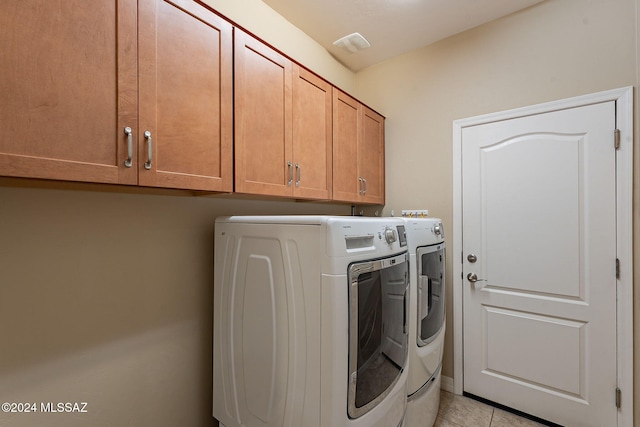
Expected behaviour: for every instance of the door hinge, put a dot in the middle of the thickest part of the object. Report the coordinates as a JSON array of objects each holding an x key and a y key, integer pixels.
[
  {"x": 618, "y": 398},
  {"x": 617, "y": 268},
  {"x": 616, "y": 139}
]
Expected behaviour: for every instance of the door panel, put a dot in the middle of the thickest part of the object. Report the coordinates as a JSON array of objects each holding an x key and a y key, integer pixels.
[
  {"x": 544, "y": 168},
  {"x": 263, "y": 111},
  {"x": 68, "y": 89},
  {"x": 186, "y": 96},
  {"x": 539, "y": 214},
  {"x": 371, "y": 155},
  {"x": 510, "y": 348},
  {"x": 312, "y": 139},
  {"x": 346, "y": 121}
]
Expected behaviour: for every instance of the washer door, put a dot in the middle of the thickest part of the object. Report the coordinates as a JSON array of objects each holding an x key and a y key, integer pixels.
[
  {"x": 378, "y": 336},
  {"x": 431, "y": 291}
]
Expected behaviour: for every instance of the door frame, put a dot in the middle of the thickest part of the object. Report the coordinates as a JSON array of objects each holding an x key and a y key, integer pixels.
[{"x": 624, "y": 232}]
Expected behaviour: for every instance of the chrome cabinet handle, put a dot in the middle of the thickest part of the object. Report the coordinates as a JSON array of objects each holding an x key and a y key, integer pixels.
[
  {"x": 147, "y": 164},
  {"x": 364, "y": 181},
  {"x": 298, "y": 170},
  {"x": 128, "y": 162},
  {"x": 290, "y": 166},
  {"x": 361, "y": 185}
]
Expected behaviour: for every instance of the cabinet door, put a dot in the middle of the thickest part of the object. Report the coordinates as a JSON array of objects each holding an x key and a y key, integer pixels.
[
  {"x": 185, "y": 97},
  {"x": 371, "y": 156},
  {"x": 263, "y": 115},
  {"x": 68, "y": 89},
  {"x": 312, "y": 139},
  {"x": 346, "y": 120}
]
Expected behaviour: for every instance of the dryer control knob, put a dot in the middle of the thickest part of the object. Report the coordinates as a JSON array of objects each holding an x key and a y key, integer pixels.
[
  {"x": 437, "y": 229},
  {"x": 390, "y": 235}
]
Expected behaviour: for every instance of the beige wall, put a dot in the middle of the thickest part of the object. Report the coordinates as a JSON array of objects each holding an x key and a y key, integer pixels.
[
  {"x": 105, "y": 297},
  {"x": 554, "y": 50}
]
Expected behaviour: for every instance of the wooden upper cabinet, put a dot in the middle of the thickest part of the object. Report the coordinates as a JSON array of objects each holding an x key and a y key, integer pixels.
[
  {"x": 68, "y": 88},
  {"x": 371, "y": 156},
  {"x": 312, "y": 136},
  {"x": 186, "y": 97},
  {"x": 358, "y": 152},
  {"x": 346, "y": 124},
  {"x": 76, "y": 77},
  {"x": 141, "y": 92},
  {"x": 263, "y": 112},
  {"x": 282, "y": 125}
]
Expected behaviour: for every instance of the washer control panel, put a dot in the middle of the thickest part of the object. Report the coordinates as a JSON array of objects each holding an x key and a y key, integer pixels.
[{"x": 376, "y": 236}]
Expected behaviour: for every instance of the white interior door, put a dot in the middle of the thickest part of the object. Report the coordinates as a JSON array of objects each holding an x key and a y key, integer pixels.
[{"x": 539, "y": 214}]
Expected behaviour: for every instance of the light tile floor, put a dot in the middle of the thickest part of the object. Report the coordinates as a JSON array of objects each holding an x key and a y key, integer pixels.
[{"x": 461, "y": 411}]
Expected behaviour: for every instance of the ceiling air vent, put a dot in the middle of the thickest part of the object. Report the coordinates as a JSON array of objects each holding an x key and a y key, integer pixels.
[{"x": 353, "y": 42}]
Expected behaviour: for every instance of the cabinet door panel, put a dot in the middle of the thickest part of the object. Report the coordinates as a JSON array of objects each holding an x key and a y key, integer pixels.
[
  {"x": 312, "y": 138},
  {"x": 346, "y": 119},
  {"x": 263, "y": 111},
  {"x": 371, "y": 155},
  {"x": 68, "y": 86},
  {"x": 185, "y": 96}
]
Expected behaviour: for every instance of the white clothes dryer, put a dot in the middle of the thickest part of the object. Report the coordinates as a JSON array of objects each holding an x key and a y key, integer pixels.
[
  {"x": 425, "y": 241},
  {"x": 310, "y": 321}
]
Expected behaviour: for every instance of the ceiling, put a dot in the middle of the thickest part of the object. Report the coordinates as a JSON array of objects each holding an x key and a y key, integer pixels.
[{"x": 392, "y": 27}]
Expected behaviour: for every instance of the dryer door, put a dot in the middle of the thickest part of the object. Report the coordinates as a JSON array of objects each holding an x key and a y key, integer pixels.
[
  {"x": 377, "y": 330},
  {"x": 431, "y": 291}
]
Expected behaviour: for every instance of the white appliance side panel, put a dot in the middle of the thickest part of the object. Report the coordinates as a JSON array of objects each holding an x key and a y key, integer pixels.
[
  {"x": 267, "y": 317},
  {"x": 259, "y": 331},
  {"x": 303, "y": 400},
  {"x": 225, "y": 407}
]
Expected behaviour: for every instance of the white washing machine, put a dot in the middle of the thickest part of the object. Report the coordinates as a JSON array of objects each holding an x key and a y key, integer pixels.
[
  {"x": 425, "y": 241},
  {"x": 310, "y": 321}
]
